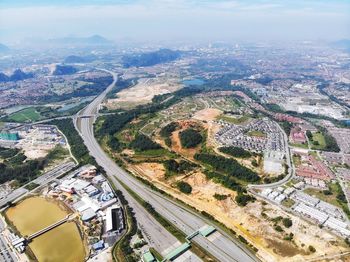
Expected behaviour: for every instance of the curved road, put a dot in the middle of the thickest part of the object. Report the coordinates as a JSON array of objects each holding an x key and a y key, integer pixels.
[{"x": 221, "y": 245}]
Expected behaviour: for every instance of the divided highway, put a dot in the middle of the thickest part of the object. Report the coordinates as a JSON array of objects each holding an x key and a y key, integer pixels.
[{"x": 221, "y": 245}]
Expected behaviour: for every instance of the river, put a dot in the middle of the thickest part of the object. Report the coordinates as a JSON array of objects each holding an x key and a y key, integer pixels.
[{"x": 62, "y": 243}]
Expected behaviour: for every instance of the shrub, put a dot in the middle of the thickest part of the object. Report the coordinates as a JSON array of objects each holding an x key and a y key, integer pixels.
[
  {"x": 312, "y": 249},
  {"x": 287, "y": 222},
  {"x": 184, "y": 187}
]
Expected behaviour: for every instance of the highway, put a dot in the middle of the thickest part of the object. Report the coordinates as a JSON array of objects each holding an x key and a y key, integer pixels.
[{"x": 223, "y": 247}]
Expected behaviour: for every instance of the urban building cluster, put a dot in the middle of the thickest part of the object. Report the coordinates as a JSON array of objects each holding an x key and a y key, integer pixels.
[
  {"x": 259, "y": 136},
  {"x": 323, "y": 213},
  {"x": 90, "y": 195},
  {"x": 311, "y": 168}
]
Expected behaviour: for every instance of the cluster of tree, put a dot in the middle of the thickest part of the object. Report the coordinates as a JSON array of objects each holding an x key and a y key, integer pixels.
[
  {"x": 115, "y": 122},
  {"x": 114, "y": 143},
  {"x": 125, "y": 244},
  {"x": 190, "y": 138},
  {"x": 143, "y": 143},
  {"x": 167, "y": 130},
  {"x": 235, "y": 151},
  {"x": 78, "y": 148},
  {"x": 174, "y": 166},
  {"x": 229, "y": 166},
  {"x": 286, "y": 126},
  {"x": 8, "y": 152},
  {"x": 184, "y": 187},
  {"x": 225, "y": 180},
  {"x": 64, "y": 70},
  {"x": 287, "y": 222},
  {"x": 94, "y": 87},
  {"x": 243, "y": 199},
  {"x": 21, "y": 172},
  {"x": 17, "y": 75},
  {"x": 269, "y": 180},
  {"x": 220, "y": 196},
  {"x": 331, "y": 143},
  {"x": 150, "y": 58}
]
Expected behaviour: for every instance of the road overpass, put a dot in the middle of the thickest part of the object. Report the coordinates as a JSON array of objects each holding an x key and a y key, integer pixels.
[{"x": 223, "y": 248}]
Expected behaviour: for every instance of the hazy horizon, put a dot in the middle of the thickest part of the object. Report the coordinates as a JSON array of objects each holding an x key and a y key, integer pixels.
[{"x": 176, "y": 20}]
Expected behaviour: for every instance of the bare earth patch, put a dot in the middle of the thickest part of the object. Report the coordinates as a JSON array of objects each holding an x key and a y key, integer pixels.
[
  {"x": 207, "y": 114},
  {"x": 248, "y": 221},
  {"x": 142, "y": 93}
]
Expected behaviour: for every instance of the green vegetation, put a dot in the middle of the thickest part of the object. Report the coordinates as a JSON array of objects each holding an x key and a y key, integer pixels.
[
  {"x": 225, "y": 179},
  {"x": 174, "y": 167},
  {"x": 322, "y": 140},
  {"x": 312, "y": 249},
  {"x": 289, "y": 237},
  {"x": 31, "y": 186},
  {"x": 233, "y": 120},
  {"x": 235, "y": 151},
  {"x": 184, "y": 187},
  {"x": 334, "y": 195},
  {"x": 288, "y": 202},
  {"x": 190, "y": 138},
  {"x": 150, "y": 58},
  {"x": 220, "y": 196},
  {"x": 123, "y": 251},
  {"x": 78, "y": 148},
  {"x": 143, "y": 143},
  {"x": 228, "y": 166},
  {"x": 64, "y": 70},
  {"x": 256, "y": 133},
  {"x": 286, "y": 126},
  {"x": 114, "y": 143},
  {"x": 278, "y": 228},
  {"x": 25, "y": 115},
  {"x": 15, "y": 166},
  {"x": 167, "y": 130},
  {"x": 318, "y": 141},
  {"x": 287, "y": 222},
  {"x": 244, "y": 199},
  {"x": 8, "y": 152}
]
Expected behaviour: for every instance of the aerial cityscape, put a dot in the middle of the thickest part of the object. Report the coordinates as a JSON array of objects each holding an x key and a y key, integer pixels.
[{"x": 151, "y": 131}]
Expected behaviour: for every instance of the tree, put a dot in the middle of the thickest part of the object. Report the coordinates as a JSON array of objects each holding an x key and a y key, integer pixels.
[
  {"x": 184, "y": 187},
  {"x": 287, "y": 222},
  {"x": 312, "y": 249},
  {"x": 190, "y": 138},
  {"x": 142, "y": 143}
]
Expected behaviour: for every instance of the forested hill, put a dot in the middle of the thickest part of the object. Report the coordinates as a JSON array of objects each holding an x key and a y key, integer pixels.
[{"x": 151, "y": 58}]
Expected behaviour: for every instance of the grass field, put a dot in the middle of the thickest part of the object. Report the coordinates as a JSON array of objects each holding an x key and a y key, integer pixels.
[
  {"x": 233, "y": 120},
  {"x": 256, "y": 133},
  {"x": 320, "y": 140},
  {"x": 25, "y": 115},
  {"x": 332, "y": 199},
  {"x": 305, "y": 146}
]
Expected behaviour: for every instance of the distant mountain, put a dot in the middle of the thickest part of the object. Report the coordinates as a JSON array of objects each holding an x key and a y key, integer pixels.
[
  {"x": 4, "y": 78},
  {"x": 4, "y": 48},
  {"x": 17, "y": 75},
  {"x": 91, "y": 40},
  {"x": 342, "y": 44},
  {"x": 150, "y": 58},
  {"x": 79, "y": 59},
  {"x": 64, "y": 70}
]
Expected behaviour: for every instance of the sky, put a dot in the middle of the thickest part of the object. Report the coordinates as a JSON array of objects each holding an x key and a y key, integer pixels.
[{"x": 176, "y": 20}]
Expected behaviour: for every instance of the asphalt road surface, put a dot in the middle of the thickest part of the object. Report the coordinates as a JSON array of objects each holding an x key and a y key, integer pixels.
[{"x": 224, "y": 248}]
